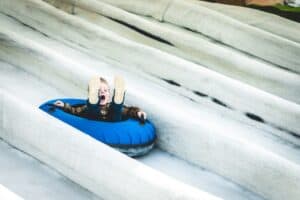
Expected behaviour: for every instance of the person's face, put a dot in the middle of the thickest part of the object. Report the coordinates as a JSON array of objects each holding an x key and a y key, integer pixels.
[{"x": 103, "y": 94}]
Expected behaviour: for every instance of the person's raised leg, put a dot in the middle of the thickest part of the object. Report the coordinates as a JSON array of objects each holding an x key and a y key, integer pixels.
[
  {"x": 118, "y": 98},
  {"x": 93, "y": 93},
  {"x": 93, "y": 97}
]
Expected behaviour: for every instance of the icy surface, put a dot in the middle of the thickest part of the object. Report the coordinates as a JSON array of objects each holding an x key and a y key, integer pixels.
[
  {"x": 200, "y": 115},
  {"x": 38, "y": 91},
  {"x": 196, "y": 176},
  {"x": 30, "y": 179}
]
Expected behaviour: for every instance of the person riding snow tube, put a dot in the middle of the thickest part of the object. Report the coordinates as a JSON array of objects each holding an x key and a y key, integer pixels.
[{"x": 129, "y": 136}]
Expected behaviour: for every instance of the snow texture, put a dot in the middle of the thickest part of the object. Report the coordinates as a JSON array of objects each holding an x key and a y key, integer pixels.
[{"x": 235, "y": 130}]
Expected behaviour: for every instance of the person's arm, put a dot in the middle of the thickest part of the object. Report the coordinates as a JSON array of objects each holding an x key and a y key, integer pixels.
[
  {"x": 134, "y": 112},
  {"x": 78, "y": 110}
]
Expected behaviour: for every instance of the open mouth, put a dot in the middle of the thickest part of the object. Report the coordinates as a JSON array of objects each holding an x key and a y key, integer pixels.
[{"x": 102, "y": 97}]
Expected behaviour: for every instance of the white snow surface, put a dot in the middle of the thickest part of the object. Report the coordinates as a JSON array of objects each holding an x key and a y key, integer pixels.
[
  {"x": 206, "y": 144},
  {"x": 27, "y": 178},
  {"x": 38, "y": 92},
  {"x": 198, "y": 177}
]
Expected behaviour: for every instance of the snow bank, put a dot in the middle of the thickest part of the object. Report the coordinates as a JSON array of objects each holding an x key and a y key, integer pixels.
[
  {"x": 197, "y": 135},
  {"x": 190, "y": 46},
  {"x": 187, "y": 132},
  {"x": 7, "y": 194},
  {"x": 222, "y": 28},
  {"x": 269, "y": 22}
]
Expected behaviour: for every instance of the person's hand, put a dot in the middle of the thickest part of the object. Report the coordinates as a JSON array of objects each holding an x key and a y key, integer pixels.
[
  {"x": 142, "y": 116},
  {"x": 59, "y": 104}
]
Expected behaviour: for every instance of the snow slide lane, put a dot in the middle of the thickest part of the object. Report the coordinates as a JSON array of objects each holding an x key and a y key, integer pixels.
[{"x": 231, "y": 143}]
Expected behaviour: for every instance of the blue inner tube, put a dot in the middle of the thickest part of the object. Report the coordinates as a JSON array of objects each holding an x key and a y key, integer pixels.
[{"x": 128, "y": 136}]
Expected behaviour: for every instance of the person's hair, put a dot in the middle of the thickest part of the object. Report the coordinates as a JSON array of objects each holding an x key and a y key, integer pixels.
[{"x": 103, "y": 80}]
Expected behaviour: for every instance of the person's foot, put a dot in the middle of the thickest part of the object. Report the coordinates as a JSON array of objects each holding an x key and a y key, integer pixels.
[
  {"x": 119, "y": 91},
  {"x": 94, "y": 86}
]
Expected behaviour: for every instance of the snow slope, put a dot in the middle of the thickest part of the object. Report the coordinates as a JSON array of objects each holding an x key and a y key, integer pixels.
[
  {"x": 27, "y": 178},
  {"x": 205, "y": 120},
  {"x": 19, "y": 83}
]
